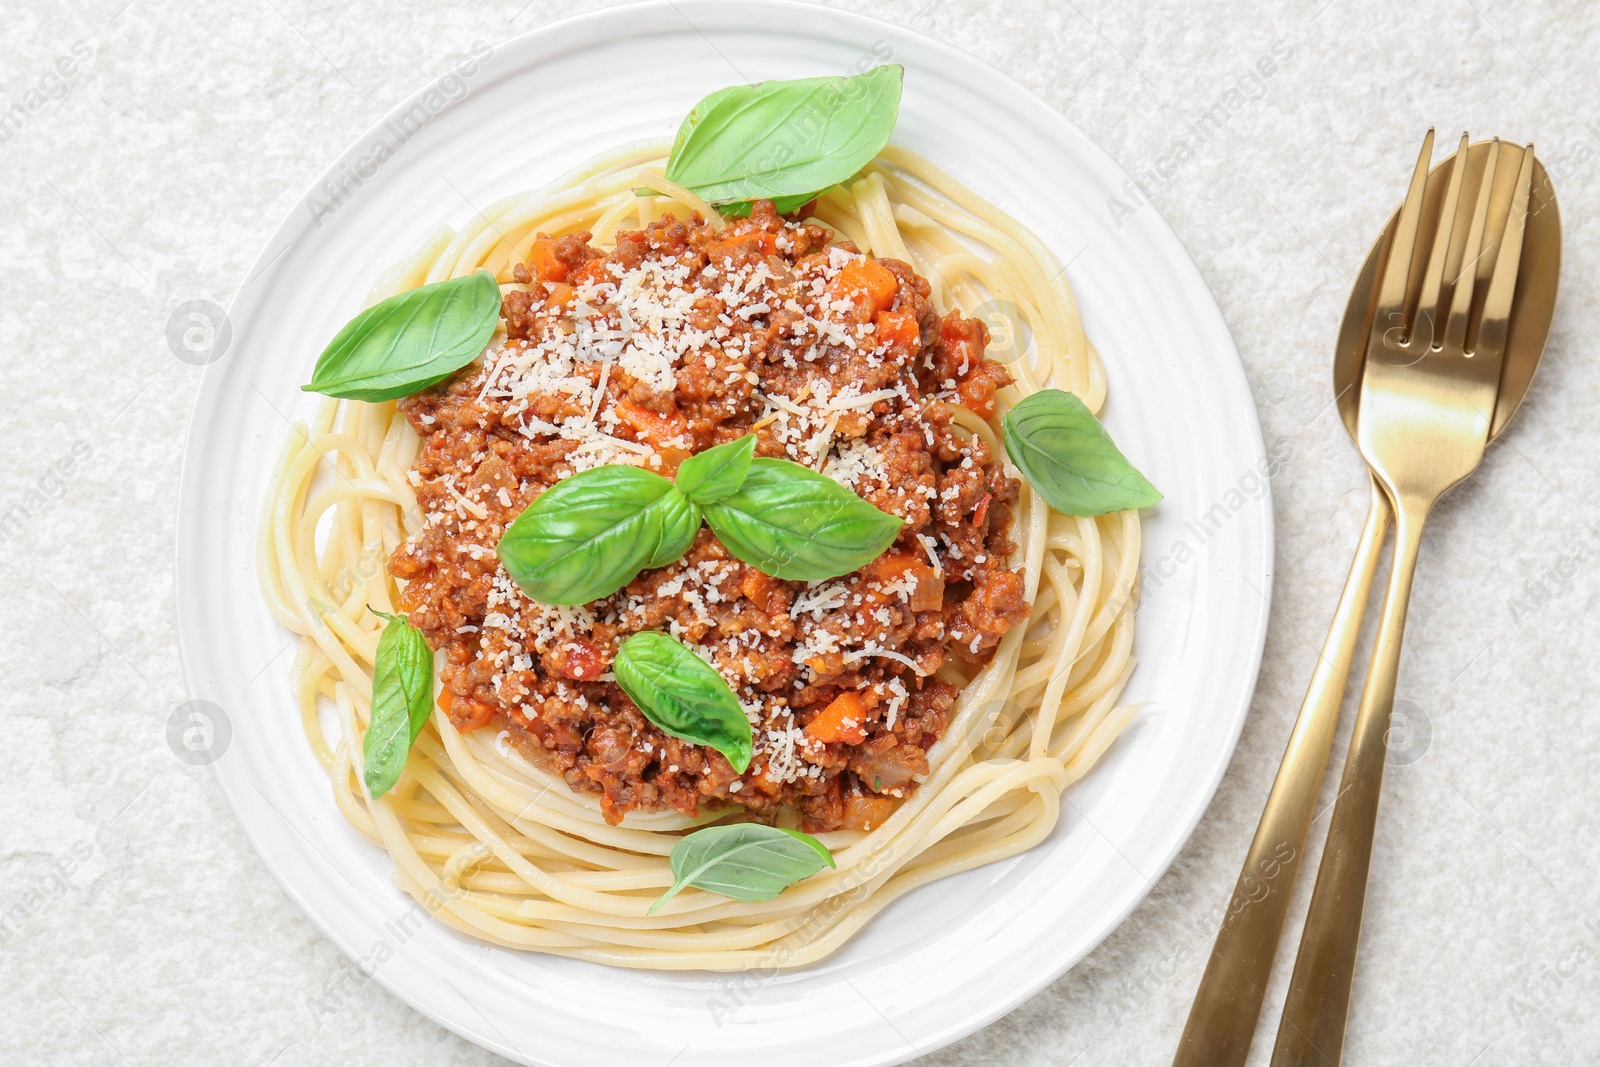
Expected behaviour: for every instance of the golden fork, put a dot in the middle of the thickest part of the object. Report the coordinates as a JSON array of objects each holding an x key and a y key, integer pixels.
[{"x": 1428, "y": 394}]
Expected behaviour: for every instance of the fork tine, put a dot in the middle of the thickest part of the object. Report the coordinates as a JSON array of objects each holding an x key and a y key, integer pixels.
[
  {"x": 1503, "y": 282},
  {"x": 1397, "y": 271},
  {"x": 1429, "y": 312},
  {"x": 1455, "y": 333}
]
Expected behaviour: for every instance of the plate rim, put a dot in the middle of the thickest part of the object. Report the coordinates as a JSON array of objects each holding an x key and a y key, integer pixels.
[{"x": 291, "y": 228}]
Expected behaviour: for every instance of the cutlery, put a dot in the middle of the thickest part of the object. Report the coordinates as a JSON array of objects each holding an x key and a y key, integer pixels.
[
  {"x": 1429, "y": 402},
  {"x": 1228, "y": 1002}
]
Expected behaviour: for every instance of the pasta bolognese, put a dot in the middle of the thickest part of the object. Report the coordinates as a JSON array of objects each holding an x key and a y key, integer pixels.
[{"x": 706, "y": 577}]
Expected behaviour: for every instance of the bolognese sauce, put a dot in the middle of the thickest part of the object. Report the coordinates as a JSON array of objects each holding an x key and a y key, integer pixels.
[{"x": 683, "y": 336}]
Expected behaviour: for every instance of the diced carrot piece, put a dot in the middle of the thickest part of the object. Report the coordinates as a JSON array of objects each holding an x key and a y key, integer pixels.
[
  {"x": 591, "y": 273},
  {"x": 655, "y": 427},
  {"x": 928, "y": 593},
  {"x": 869, "y": 279},
  {"x": 898, "y": 328},
  {"x": 446, "y": 698},
  {"x": 546, "y": 266},
  {"x": 977, "y": 395},
  {"x": 764, "y": 782},
  {"x": 842, "y": 720},
  {"x": 561, "y": 295},
  {"x": 891, "y": 565},
  {"x": 756, "y": 587},
  {"x": 470, "y": 714},
  {"x": 737, "y": 246}
]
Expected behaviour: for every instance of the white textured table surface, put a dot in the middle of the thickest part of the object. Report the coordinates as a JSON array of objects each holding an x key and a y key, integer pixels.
[{"x": 150, "y": 146}]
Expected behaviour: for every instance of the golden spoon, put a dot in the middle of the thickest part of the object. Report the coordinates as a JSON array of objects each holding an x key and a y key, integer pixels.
[{"x": 1228, "y": 1002}]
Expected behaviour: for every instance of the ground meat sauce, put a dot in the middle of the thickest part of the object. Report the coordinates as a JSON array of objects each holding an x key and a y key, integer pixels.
[{"x": 683, "y": 337}]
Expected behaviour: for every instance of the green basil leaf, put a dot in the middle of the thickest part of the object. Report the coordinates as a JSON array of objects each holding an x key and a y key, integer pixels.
[
  {"x": 1064, "y": 452},
  {"x": 683, "y": 695},
  {"x": 402, "y": 700},
  {"x": 410, "y": 341},
  {"x": 793, "y": 523},
  {"x": 746, "y": 861},
  {"x": 783, "y": 140},
  {"x": 718, "y": 472},
  {"x": 588, "y": 536}
]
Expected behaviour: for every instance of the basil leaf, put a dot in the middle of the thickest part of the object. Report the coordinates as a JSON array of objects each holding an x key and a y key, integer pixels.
[
  {"x": 1064, "y": 452},
  {"x": 588, "y": 536},
  {"x": 716, "y": 473},
  {"x": 785, "y": 140},
  {"x": 746, "y": 861},
  {"x": 793, "y": 523},
  {"x": 402, "y": 700},
  {"x": 683, "y": 695},
  {"x": 410, "y": 341}
]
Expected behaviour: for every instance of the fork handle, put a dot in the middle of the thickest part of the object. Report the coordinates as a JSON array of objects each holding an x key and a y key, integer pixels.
[
  {"x": 1228, "y": 1002},
  {"x": 1311, "y": 1033}
]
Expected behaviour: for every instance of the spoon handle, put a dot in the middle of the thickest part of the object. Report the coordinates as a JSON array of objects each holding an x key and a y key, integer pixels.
[
  {"x": 1228, "y": 1002},
  {"x": 1311, "y": 1032}
]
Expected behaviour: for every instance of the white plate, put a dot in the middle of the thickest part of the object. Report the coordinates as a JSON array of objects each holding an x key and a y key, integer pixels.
[{"x": 949, "y": 957}]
